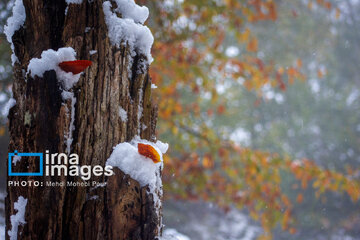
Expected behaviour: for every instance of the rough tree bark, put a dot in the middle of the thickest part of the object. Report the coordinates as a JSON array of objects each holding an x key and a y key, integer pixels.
[{"x": 40, "y": 118}]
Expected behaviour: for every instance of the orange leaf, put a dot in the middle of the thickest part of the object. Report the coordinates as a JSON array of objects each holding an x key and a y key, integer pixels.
[
  {"x": 2, "y": 131},
  {"x": 299, "y": 198},
  {"x": 320, "y": 74},
  {"x": 207, "y": 162},
  {"x": 75, "y": 66},
  {"x": 149, "y": 152},
  {"x": 299, "y": 63},
  {"x": 252, "y": 45},
  {"x": 292, "y": 230},
  {"x": 328, "y": 5}
]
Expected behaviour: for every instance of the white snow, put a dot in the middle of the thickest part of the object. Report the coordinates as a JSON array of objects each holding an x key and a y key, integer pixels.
[
  {"x": 50, "y": 60},
  {"x": 296, "y": 163},
  {"x": 69, "y": 135},
  {"x": 140, "y": 110},
  {"x": 8, "y": 106},
  {"x": 129, "y": 9},
  {"x": 95, "y": 197},
  {"x": 184, "y": 22},
  {"x": 92, "y": 52},
  {"x": 14, "y": 23},
  {"x": 129, "y": 28},
  {"x": 163, "y": 147},
  {"x": 240, "y": 136},
  {"x": 18, "y": 218},
  {"x": 123, "y": 114},
  {"x": 355, "y": 93},
  {"x": 3, "y": 97},
  {"x": 126, "y": 157},
  {"x": 232, "y": 51},
  {"x": 74, "y": 1},
  {"x": 173, "y": 234},
  {"x": 2, "y": 232},
  {"x": 16, "y": 159}
]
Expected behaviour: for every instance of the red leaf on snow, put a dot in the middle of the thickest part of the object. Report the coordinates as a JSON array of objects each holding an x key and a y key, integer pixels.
[
  {"x": 149, "y": 152},
  {"x": 75, "y": 67}
]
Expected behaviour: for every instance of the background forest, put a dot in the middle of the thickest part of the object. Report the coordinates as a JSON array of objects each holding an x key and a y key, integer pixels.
[{"x": 259, "y": 102}]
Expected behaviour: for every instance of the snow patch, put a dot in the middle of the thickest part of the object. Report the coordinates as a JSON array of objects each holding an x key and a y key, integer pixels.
[
  {"x": 13, "y": 24},
  {"x": 240, "y": 136},
  {"x": 8, "y": 106},
  {"x": 129, "y": 9},
  {"x": 140, "y": 109},
  {"x": 19, "y": 218},
  {"x": 232, "y": 51},
  {"x": 3, "y": 97},
  {"x": 92, "y": 52},
  {"x": 123, "y": 114},
  {"x": 2, "y": 231},
  {"x": 129, "y": 28},
  {"x": 69, "y": 136},
  {"x": 74, "y": 1},
  {"x": 163, "y": 147},
  {"x": 173, "y": 234},
  {"x": 16, "y": 159},
  {"x": 50, "y": 60},
  {"x": 352, "y": 97},
  {"x": 95, "y": 197},
  {"x": 126, "y": 157}
]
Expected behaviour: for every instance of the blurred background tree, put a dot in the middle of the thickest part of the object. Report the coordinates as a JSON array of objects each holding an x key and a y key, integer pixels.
[{"x": 259, "y": 102}]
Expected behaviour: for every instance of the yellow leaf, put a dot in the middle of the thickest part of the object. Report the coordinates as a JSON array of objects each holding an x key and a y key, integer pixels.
[
  {"x": 2, "y": 131},
  {"x": 207, "y": 163}
]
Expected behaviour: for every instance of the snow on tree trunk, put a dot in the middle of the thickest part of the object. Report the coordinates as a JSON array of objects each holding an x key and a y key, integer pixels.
[{"x": 85, "y": 119}]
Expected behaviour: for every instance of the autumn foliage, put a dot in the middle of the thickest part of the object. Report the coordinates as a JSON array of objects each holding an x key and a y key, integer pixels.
[{"x": 190, "y": 63}]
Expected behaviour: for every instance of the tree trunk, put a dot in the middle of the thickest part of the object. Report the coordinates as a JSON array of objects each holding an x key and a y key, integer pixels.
[{"x": 41, "y": 119}]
